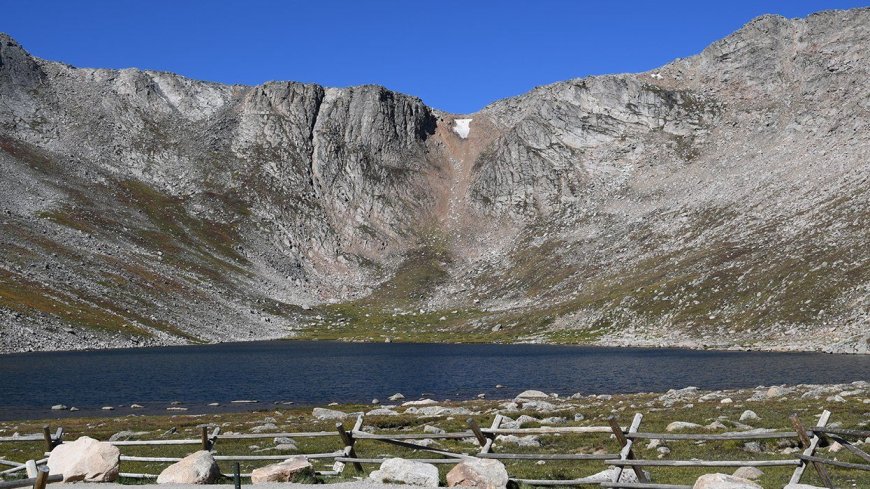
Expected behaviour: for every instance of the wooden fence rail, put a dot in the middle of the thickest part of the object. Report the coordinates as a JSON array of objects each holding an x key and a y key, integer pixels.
[{"x": 485, "y": 437}]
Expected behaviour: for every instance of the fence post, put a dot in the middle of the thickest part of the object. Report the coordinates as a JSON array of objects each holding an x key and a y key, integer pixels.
[
  {"x": 348, "y": 441},
  {"x": 626, "y": 452},
  {"x": 41, "y": 478},
  {"x": 46, "y": 435},
  {"x": 204, "y": 437},
  {"x": 237, "y": 477},
  {"x": 809, "y": 445},
  {"x": 30, "y": 467}
]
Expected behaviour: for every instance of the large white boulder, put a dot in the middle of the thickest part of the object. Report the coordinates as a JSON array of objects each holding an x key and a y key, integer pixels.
[
  {"x": 478, "y": 472},
  {"x": 285, "y": 471},
  {"x": 724, "y": 481},
  {"x": 399, "y": 470},
  {"x": 532, "y": 394},
  {"x": 196, "y": 468},
  {"x": 85, "y": 459}
]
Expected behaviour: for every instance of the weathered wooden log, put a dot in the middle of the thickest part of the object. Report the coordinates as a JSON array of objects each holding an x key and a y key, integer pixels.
[
  {"x": 713, "y": 437},
  {"x": 414, "y": 446},
  {"x": 643, "y": 485},
  {"x": 250, "y": 436},
  {"x": 348, "y": 444},
  {"x": 705, "y": 463},
  {"x": 10, "y": 463},
  {"x": 130, "y": 443},
  {"x": 362, "y": 435},
  {"x": 478, "y": 433},
  {"x": 626, "y": 453},
  {"x": 547, "y": 456},
  {"x": 381, "y": 460},
  {"x": 841, "y": 432},
  {"x": 836, "y": 463},
  {"x": 852, "y": 448},
  {"x": 809, "y": 446},
  {"x": 29, "y": 482},
  {"x": 547, "y": 430}
]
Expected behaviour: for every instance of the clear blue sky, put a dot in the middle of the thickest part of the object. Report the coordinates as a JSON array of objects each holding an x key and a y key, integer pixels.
[{"x": 455, "y": 55}]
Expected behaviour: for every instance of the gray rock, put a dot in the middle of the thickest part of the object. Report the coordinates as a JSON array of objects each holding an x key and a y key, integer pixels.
[
  {"x": 398, "y": 470},
  {"x": 196, "y": 468},
  {"x": 286, "y": 471},
  {"x": 479, "y": 473},
  {"x": 723, "y": 481}
]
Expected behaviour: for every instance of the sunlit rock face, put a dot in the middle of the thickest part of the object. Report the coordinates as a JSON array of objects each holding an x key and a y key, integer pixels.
[{"x": 720, "y": 200}]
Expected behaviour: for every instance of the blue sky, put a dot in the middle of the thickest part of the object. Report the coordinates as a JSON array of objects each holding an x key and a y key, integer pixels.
[{"x": 456, "y": 56}]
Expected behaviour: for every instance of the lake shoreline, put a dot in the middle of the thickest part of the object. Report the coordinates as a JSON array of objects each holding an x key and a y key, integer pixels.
[{"x": 604, "y": 343}]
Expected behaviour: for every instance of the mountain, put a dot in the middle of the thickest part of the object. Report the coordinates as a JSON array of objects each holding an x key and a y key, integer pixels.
[{"x": 720, "y": 201}]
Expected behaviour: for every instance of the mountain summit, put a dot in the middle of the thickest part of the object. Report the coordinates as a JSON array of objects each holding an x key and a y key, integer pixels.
[{"x": 722, "y": 200}]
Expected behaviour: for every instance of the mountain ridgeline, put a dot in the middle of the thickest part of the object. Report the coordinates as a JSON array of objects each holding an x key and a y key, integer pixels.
[{"x": 720, "y": 201}]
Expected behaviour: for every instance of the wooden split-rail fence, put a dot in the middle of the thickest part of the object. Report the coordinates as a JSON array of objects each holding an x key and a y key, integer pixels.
[{"x": 622, "y": 459}]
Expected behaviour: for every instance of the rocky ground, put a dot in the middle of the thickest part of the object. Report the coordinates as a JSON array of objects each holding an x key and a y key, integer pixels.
[
  {"x": 687, "y": 410},
  {"x": 719, "y": 201}
]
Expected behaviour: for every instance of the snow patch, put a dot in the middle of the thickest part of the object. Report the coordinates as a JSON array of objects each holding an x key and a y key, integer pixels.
[{"x": 461, "y": 127}]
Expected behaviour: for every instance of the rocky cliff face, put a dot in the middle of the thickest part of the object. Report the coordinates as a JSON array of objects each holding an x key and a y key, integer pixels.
[{"x": 721, "y": 200}]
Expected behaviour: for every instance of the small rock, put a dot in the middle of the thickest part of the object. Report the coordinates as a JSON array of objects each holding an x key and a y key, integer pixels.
[
  {"x": 396, "y": 397},
  {"x": 681, "y": 425},
  {"x": 749, "y": 415},
  {"x": 750, "y": 473},
  {"x": 752, "y": 447},
  {"x": 59, "y": 407}
]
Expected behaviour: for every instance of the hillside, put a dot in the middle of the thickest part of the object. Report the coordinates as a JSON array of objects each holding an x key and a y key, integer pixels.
[{"x": 722, "y": 201}]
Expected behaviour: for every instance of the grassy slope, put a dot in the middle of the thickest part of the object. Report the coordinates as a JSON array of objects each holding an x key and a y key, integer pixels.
[{"x": 773, "y": 412}]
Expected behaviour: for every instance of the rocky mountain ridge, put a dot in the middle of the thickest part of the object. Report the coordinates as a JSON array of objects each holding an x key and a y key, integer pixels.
[{"x": 719, "y": 201}]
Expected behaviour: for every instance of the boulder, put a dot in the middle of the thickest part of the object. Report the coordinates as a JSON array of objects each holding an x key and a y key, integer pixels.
[
  {"x": 749, "y": 415},
  {"x": 609, "y": 473},
  {"x": 196, "y": 468},
  {"x": 285, "y": 471},
  {"x": 382, "y": 412},
  {"x": 85, "y": 459},
  {"x": 520, "y": 441},
  {"x": 398, "y": 470},
  {"x": 723, "y": 481},
  {"x": 396, "y": 397},
  {"x": 532, "y": 394},
  {"x": 476, "y": 472},
  {"x": 751, "y": 473},
  {"x": 681, "y": 425},
  {"x": 322, "y": 413}
]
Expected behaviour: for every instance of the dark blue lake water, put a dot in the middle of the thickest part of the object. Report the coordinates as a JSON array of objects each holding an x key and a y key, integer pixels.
[{"x": 321, "y": 372}]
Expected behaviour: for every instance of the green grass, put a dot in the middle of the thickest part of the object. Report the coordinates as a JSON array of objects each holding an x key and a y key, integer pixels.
[{"x": 774, "y": 414}]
